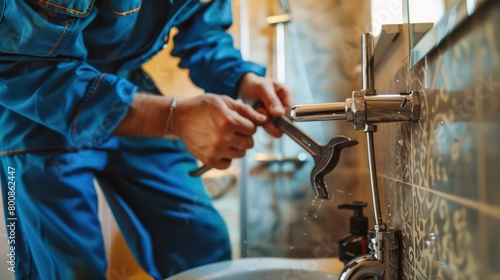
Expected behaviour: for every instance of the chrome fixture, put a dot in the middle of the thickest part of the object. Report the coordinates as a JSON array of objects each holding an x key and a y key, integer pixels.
[
  {"x": 365, "y": 109},
  {"x": 362, "y": 109},
  {"x": 382, "y": 263}
]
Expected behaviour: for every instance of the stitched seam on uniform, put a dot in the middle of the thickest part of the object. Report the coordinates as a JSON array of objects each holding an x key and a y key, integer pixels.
[
  {"x": 124, "y": 13},
  {"x": 66, "y": 8},
  {"x": 85, "y": 106},
  {"x": 59, "y": 39},
  {"x": 10, "y": 152}
]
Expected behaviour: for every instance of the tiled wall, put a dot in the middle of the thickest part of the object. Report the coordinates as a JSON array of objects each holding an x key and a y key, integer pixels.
[{"x": 440, "y": 176}]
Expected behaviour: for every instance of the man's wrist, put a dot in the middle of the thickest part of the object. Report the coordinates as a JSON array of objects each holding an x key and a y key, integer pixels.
[
  {"x": 144, "y": 116},
  {"x": 169, "y": 126}
]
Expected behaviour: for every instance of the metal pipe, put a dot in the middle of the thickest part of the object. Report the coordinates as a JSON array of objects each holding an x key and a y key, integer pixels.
[
  {"x": 362, "y": 267},
  {"x": 379, "y": 225},
  {"x": 368, "y": 82},
  {"x": 318, "y": 112},
  {"x": 389, "y": 108}
]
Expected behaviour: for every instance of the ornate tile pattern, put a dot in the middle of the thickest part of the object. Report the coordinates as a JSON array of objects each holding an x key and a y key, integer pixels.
[
  {"x": 446, "y": 235},
  {"x": 398, "y": 212},
  {"x": 393, "y": 153},
  {"x": 452, "y": 190},
  {"x": 493, "y": 247}
]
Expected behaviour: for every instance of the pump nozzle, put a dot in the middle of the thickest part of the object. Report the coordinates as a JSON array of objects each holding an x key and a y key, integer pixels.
[{"x": 358, "y": 222}]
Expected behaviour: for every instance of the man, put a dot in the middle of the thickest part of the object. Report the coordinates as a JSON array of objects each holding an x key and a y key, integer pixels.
[{"x": 70, "y": 114}]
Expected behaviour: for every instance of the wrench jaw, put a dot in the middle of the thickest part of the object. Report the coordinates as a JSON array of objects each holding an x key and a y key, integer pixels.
[
  {"x": 326, "y": 163},
  {"x": 319, "y": 186}
]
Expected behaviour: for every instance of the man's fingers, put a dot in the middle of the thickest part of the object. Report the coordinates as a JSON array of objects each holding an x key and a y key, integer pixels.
[
  {"x": 247, "y": 112},
  {"x": 284, "y": 94},
  {"x": 258, "y": 116},
  {"x": 271, "y": 101},
  {"x": 272, "y": 130},
  {"x": 221, "y": 164},
  {"x": 241, "y": 142},
  {"x": 235, "y": 146}
]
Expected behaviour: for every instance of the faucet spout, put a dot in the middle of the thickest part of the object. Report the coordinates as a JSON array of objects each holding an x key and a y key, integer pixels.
[
  {"x": 361, "y": 267},
  {"x": 383, "y": 263}
]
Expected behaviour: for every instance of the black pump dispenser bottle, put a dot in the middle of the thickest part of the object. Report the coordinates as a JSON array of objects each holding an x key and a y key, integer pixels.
[{"x": 354, "y": 243}]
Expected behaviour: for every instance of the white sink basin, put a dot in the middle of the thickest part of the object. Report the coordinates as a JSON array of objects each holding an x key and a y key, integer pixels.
[{"x": 265, "y": 269}]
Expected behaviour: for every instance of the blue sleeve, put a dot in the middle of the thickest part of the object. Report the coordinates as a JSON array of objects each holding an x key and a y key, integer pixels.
[
  {"x": 206, "y": 49},
  {"x": 67, "y": 96}
]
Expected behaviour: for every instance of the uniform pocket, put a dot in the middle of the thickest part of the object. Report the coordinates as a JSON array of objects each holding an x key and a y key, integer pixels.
[
  {"x": 123, "y": 8},
  {"x": 46, "y": 25},
  {"x": 76, "y": 8}
]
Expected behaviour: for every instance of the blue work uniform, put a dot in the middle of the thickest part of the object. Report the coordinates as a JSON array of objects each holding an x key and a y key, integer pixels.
[{"x": 67, "y": 71}]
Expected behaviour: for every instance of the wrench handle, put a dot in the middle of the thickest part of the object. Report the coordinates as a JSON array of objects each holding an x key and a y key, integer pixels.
[
  {"x": 297, "y": 135},
  {"x": 287, "y": 127},
  {"x": 199, "y": 171}
]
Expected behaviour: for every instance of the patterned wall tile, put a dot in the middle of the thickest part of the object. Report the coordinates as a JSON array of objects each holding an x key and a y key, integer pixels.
[
  {"x": 445, "y": 238},
  {"x": 404, "y": 151},
  {"x": 419, "y": 130},
  {"x": 393, "y": 140},
  {"x": 385, "y": 153},
  {"x": 393, "y": 152},
  {"x": 418, "y": 276},
  {"x": 488, "y": 156},
  {"x": 454, "y": 157},
  {"x": 493, "y": 247},
  {"x": 444, "y": 139},
  {"x": 398, "y": 211},
  {"x": 486, "y": 100},
  {"x": 445, "y": 144}
]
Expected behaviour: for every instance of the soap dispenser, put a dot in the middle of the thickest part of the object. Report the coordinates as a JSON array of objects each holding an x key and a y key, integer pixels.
[{"x": 354, "y": 243}]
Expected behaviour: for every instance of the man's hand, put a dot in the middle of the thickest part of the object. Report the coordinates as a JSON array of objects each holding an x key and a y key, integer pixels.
[
  {"x": 215, "y": 128},
  {"x": 276, "y": 98}
]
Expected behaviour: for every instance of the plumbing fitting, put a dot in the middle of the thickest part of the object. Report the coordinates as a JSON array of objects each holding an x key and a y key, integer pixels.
[
  {"x": 365, "y": 109},
  {"x": 384, "y": 260}
]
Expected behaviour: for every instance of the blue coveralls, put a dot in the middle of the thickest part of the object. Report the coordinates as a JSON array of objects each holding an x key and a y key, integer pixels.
[{"x": 65, "y": 68}]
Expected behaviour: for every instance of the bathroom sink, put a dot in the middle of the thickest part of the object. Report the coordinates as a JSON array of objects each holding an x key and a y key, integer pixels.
[{"x": 266, "y": 269}]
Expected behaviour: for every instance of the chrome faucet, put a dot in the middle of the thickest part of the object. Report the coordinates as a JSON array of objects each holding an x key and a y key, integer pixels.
[{"x": 364, "y": 110}]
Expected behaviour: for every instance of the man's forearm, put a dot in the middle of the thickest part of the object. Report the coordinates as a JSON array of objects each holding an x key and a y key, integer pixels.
[{"x": 147, "y": 116}]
